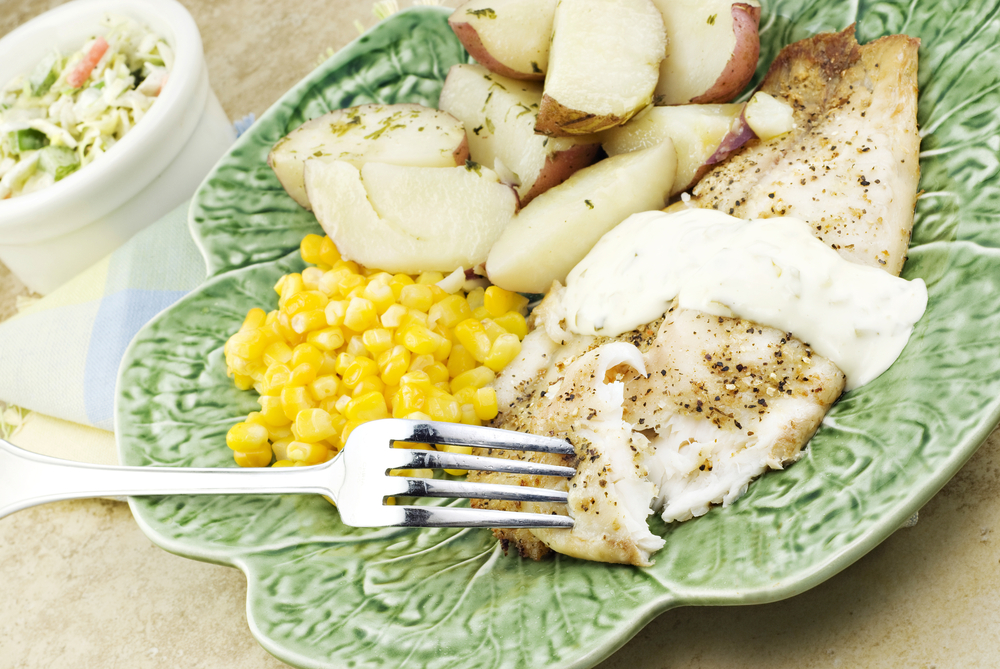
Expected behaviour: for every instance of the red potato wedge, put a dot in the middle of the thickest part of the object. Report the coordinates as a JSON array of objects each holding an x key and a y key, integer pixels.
[
  {"x": 697, "y": 132},
  {"x": 547, "y": 238},
  {"x": 603, "y": 65},
  {"x": 499, "y": 116},
  {"x": 410, "y": 219},
  {"x": 509, "y": 37},
  {"x": 712, "y": 51},
  {"x": 402, "y": 134}
]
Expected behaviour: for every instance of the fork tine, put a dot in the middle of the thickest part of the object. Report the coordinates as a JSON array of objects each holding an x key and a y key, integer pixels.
[
  {"x": 486, "y": 437},
  {"x": 416, "y": 487},
  {"x": 418, "y": 459},
  {"x": 422, "y": 516}
]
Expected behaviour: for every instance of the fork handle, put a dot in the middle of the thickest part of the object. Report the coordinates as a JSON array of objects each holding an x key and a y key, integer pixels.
[{"x": 28, "y": 479}]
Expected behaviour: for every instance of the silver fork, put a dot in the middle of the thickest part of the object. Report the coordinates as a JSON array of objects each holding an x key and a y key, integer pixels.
[{"x": 357, "y": 479}]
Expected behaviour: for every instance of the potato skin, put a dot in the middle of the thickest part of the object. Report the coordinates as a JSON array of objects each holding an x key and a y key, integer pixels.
[
  {"x": 469, "y": 37},
  {"x": 561, "y": 166},
  {"x": 739, "y": 70},
  {"x": 557, "y": 120}
]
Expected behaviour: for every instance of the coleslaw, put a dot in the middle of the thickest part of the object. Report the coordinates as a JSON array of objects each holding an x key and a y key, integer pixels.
[{"x": 71, "y": 109}]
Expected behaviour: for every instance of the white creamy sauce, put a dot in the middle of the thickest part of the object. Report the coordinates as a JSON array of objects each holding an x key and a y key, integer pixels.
[{"x": 771, "y": 271}]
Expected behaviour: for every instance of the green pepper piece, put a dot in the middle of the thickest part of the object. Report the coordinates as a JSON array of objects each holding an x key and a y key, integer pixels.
[
  {"x": 44, "y": 75},
  {"x": 28, "y": 139},
  {"x": 58, "y": 161}
]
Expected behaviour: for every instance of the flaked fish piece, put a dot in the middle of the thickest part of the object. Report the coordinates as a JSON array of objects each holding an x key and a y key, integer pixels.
[
  {"x": 672, "y": 417},
  {"x": 850, "y": 166}
]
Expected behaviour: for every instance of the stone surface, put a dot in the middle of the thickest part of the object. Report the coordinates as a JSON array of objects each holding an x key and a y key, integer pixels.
[{"x": 83, "y": 587}]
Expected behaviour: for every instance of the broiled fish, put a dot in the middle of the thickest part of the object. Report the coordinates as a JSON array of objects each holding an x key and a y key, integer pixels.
[
  {"x": 850, "y": 167},
  {"x": 672, "y": 417}
]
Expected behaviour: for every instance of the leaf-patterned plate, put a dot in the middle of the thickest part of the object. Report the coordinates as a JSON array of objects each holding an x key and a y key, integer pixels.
[{"x": 325, "y": 595}]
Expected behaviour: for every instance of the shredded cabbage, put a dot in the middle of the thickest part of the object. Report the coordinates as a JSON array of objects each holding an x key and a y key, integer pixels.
[{"x": 50, "y": 128}]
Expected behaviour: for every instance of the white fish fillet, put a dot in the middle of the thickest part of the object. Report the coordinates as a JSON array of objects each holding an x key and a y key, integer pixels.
[{"x": 850, "y": 167}]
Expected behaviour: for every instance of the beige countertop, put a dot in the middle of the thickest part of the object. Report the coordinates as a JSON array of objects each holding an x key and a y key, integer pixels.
[{"x": 82, "y": 587}]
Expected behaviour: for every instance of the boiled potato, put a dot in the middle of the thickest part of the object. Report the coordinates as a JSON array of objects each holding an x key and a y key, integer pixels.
[
  {"x": 603, "y": 65},
  {"x": 408, "y": 219},
  {"x": 697, "y": 131},
  {"x": 402, "y": 134},
  {"x": 499, "y": 115},
  {"x": 712, "y": 50},
  {"x": 547, "y": 238},
  {"x": 768, "y": 117},
  {"x": 509, "y": 37}
]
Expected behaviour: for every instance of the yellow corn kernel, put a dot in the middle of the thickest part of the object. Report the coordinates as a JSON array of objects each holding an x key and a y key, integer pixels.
[
  {"x": 325, "y": 386},
  {"x": 280, "y": 284},
  {"x": 505, "y": 348},
  {"x": 485, "y": 403},
  {"x": 249, "y": 344},
  {"x": 437, "y": 372},
  {"x": 469, "y": 416},
  {"x": 477, "y": 378},
  {"x": 476, "y": 298},
  {"x": 342, "y": 402},
  {"x": 356, "y": 346},
  {"x": 513, "y": 323},
  {"x": 310, "y": 248},
  {"x": 290, "y": 286},
  {"x": 306, "y": 353},
  {"x": 307, "y": 300},
  {"x": 358, "y": 370},
  {"x": 369, "y": 384},
  {"x": 307, "y": 321},
  {"x": 360, "y": 314},
  {"x": 377, "y": 340},
  {"x": 254, "y": 459},
  {"x": 379, "y": 294},
  {"x": 243, "y": 382},
  {"x": 479, "y": 313},
  {"x": 407, "y": 400},
  {"x": 335, "y": 312},
  {"x": 465, "y": 395},
  {"x": 417, "y": 296},
  {"x": 420, "y": 362},
  {"x": 450, "y": 311},
  {"x": 295, "y": 399},
  {"x": 492, "y": 329},
  {"x": 397, "y": 282},
  {"x": 471, "y": 334},
  {"x": 370, "y": 406},
  {"x": 393, "y": 364},
  {"x": 460, "y": 361},
  {"x": 307, "y": 453},
  {"x": 311, "y": 277},
  {"x": 272, "y": 411},
  {"x": 314, "y": 425},
  {"x": 499, "y": 301},
  {"x": 280, "y": 447},
  {"x": 283, "y": 328},
  {"x": 326, "y": 338},
  {"x": 416, "y": 378},
  {"x": 344, "y": 361},
  {"x": 443, "y": 407},
  {"x": 418, "y": 339},
  {"x": 429, "y": 278},
  {"x": 329, "y": 364},
  {"x": 256, "y": 418},
  {"x": 255, "y": 319},
  {"x": 277, "y": 377},
  {"x": 247, "y": 437},
  {"x": 277, "y": 352},
  {"x": 393, "y": 316},
  {"x": 278, "y": 433},
  {"x": 328, "y": 253}
]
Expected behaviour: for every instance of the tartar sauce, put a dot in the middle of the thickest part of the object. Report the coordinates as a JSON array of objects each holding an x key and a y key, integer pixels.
[{"x": 771, "y": 271}]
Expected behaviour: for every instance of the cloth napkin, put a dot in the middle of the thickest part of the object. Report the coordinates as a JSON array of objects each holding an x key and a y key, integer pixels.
[{"x": 59, "y": 356}]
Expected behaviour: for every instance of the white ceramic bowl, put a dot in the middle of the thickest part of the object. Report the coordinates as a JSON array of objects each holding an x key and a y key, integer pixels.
[{"x": 49, "y": 236}]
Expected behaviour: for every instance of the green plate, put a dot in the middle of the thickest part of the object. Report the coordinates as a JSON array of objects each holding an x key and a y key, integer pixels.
[{"x": 325, "y": 595}]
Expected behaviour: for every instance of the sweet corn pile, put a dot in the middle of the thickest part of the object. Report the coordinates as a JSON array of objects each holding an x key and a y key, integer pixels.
[{"x": 349, "y": 344}]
